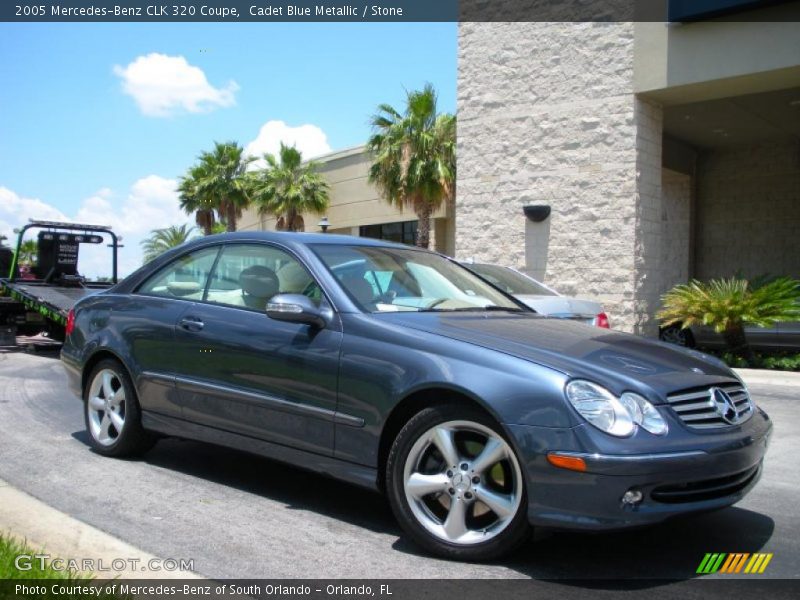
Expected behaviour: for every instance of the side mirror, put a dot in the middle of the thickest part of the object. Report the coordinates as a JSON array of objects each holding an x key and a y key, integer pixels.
[{"x": 295, "y": 308}]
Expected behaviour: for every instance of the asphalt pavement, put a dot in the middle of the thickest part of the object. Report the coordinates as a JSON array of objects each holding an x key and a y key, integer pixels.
[{"x": 240, "y": 516}]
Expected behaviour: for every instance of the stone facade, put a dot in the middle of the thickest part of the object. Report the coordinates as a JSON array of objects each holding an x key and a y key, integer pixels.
[
  {"x": 547, "y": 115},
  {"x": 676, "y": 236},
  {"x": 748, "y": 211}
]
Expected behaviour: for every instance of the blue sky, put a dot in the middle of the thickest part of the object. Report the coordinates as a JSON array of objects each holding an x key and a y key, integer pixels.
[{"x": 97, "y": 121}]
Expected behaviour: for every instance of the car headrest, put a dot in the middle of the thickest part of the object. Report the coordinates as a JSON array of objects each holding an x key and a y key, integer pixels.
[{"x": 259, "y": 281}]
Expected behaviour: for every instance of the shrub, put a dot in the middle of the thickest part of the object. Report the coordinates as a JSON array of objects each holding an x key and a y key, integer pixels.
[{"x": 728, "y": 305}]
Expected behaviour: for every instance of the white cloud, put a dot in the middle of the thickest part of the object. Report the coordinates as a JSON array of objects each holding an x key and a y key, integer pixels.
[
  {"x": 151, "y": 203},
  {"x": 309, "y": 139},
  {"x": 165, "y": 85},
  {"x": 16, "y": 210}
]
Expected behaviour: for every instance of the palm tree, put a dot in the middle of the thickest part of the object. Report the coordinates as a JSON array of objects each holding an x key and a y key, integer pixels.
[
  {"x": 287, "y": 188},
  {"x": 191, "y": 200},
  {"x": 28, "y": 252},
  {"x": 415, "y": 156},
  {"x": 728, "y": 305},
  {"x": 161, "y": 240},
  {"x": 218, "y": 182}
]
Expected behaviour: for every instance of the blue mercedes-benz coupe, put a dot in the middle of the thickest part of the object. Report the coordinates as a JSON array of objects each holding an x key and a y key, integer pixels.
[{"x": 399, "y": 370}]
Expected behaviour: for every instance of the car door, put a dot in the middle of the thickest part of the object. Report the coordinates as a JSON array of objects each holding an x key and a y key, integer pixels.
[
  {"x": 250, "y": 374},
  {"x": 147, "y": 320},
  {"x": 789, "y": 335},
  {"x": 762, "y": 338}
]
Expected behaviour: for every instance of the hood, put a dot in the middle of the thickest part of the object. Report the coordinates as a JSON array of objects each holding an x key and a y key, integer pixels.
[
  {"x": 561, "y": 305},
  {"x": 611, "y": 358}
]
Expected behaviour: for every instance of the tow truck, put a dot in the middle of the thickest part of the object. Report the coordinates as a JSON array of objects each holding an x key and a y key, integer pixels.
[{"x": 40, "y": 301}]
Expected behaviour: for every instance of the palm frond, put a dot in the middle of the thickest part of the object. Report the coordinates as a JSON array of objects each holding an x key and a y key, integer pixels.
[{"x": 413, "y": 153}]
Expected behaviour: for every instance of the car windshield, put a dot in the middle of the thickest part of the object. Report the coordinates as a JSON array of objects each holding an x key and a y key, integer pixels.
[
  {"x": 510, "y": 281},
  {"x": 384, "y": 279}
]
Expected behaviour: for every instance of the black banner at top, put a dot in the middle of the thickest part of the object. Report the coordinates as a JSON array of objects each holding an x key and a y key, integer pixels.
[{"x": 392, "y": 10}]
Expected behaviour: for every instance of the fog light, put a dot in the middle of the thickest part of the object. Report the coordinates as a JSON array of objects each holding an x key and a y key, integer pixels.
[{"x": 632, "y": 497}]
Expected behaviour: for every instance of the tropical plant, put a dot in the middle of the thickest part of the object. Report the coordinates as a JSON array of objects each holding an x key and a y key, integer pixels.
[
  {"x": 193, "y": 201},
  {"x": 728, "y": 305},
  {"x": 161, "y": 240},
  {"x": 287, "y": 188},
  {"x": 414, "y": 156},
  {"x": 28, "y": 252},
  {"x": 218, "y": 182}
]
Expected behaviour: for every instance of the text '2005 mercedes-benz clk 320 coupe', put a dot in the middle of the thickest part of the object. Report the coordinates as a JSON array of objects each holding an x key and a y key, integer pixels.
[{"x": 399, "y": 370}]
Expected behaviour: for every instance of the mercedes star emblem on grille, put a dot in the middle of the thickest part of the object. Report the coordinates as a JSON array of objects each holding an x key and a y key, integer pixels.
[{"x": 726, "y": 409}]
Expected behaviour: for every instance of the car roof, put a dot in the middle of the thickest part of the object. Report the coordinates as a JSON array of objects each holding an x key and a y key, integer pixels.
[{"x": 302, "y": 238}]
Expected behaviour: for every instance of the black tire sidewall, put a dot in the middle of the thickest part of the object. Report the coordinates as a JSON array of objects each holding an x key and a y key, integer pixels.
[{"x": 515, "y": 533}]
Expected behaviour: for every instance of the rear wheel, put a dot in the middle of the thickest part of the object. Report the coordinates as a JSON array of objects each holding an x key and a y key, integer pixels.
[
  {"x": 456, "y": 486},
  {"x": 111, "y": 411}
]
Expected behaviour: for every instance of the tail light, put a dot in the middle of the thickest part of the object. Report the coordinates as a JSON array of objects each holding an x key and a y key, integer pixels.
[
  {"x": 70, "y": 321},
  {"x": 601, "y": 320}
]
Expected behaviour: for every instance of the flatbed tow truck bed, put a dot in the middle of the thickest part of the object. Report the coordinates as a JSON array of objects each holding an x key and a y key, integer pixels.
[
  {"x": 43, "y": 304},
  {"x": 58, "y": 299}
]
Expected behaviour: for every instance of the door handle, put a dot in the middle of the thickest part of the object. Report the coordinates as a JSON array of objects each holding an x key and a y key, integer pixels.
[{"x": 191, "y": 324}]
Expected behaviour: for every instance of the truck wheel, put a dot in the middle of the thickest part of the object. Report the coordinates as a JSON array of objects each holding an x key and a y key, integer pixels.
[{"x": 112, "y": 414}]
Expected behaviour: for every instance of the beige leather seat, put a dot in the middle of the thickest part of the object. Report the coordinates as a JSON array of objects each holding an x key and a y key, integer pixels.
[{"x": 259, "y": 284}]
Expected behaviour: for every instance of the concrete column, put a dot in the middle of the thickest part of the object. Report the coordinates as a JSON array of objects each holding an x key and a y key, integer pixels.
[{"x": 547, "y": 115}]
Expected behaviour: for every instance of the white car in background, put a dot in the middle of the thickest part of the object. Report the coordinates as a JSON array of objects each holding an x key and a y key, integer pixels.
[{"x": 539, "y": 297}]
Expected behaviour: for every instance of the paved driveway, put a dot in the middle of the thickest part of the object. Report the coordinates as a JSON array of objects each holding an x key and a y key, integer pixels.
[{"x": 241, "y": 516}]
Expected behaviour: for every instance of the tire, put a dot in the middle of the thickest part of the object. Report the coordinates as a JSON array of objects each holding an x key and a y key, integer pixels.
[
  {"x": 675, "y": 334},
  {"x": 422, "y": 485},
  {"x": 113, "y": 420}
]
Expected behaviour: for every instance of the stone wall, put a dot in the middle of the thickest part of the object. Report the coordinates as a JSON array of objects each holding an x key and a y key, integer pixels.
[
  {"x": 547, "y": 115},
  {"x": 676, "y": 189},
  {"x": 748, "y": 211}
]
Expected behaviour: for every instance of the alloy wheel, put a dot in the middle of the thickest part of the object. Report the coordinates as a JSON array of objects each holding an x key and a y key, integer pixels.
[
  {"x": 462, "y": 482},
  {"x": 106, "y": 407}
]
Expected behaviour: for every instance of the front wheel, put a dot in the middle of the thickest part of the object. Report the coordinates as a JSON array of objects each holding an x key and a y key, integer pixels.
[
  {"x": 456, "y": 486},
  {"x": 111, "y": 412}
]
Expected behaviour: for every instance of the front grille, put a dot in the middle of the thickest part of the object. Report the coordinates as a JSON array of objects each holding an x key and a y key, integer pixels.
[
  {"x": 708, "y": 489},
  {"x": 698, "y": 408}
]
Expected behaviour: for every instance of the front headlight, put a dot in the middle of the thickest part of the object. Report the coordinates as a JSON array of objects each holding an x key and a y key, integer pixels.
[
  {"x": 600, "y": 407},
  {"x": 643, "y": 413},
  {"x": 616, "y": 416}
]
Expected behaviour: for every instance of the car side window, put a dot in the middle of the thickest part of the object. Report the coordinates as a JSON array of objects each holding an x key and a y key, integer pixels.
[
  {"x": 185, "y": 277},
  {"x": 248, "y": 275}
]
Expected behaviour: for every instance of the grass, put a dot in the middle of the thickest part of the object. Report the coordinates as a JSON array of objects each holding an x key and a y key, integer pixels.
[
  {"x": 40, "y": 579},
  {"x": 10, "y": 549}
]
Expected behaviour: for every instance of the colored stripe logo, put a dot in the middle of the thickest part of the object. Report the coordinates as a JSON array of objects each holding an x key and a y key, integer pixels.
[{"x": 735, "y": 562}]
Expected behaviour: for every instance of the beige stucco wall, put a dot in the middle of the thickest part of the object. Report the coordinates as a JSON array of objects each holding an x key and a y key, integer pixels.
[
  {"x": 355, "y": 202},
  {"x": 547, "y": 115},
  {"x": 748, "y": 211},
  {"x": 688, "y": 62}
]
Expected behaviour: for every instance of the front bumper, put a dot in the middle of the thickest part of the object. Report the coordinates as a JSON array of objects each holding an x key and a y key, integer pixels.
[{"x": 717, "y": 472}]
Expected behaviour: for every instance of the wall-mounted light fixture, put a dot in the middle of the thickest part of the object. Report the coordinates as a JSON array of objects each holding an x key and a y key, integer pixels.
[
  {"x": 537, "y": 212},
  {"x": 324, "y": 224}
]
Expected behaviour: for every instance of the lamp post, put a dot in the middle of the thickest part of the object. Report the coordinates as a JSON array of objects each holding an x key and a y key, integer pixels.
[{"x": 324, "y": 224}]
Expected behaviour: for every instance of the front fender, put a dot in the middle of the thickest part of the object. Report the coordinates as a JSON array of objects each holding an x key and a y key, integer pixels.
[{"x": 381, "y": 368}]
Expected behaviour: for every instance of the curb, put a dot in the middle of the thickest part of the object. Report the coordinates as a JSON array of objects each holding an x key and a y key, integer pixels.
[
  {"x": 50, "y": 531},
  {"x": 768, "y": 377}
]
